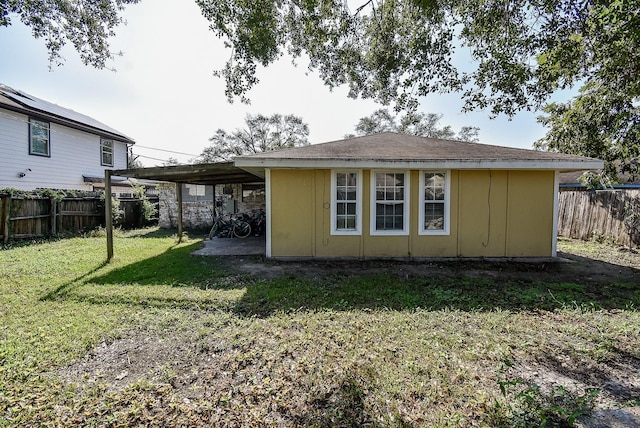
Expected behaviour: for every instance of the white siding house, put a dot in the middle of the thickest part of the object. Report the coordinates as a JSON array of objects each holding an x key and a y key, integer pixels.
[{"x": 43, "y": 145}]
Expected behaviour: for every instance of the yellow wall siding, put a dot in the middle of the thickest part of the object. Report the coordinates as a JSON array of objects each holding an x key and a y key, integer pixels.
[
  {"x": 292, "y": 213},
  {"x": 492, "y": 214},
  {"x": 483, "y": 213},
  {"x": 530, "y": 222}
]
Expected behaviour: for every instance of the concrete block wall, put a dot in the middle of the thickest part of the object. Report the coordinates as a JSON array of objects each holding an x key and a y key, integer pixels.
[{"x": 195, "y": 215}]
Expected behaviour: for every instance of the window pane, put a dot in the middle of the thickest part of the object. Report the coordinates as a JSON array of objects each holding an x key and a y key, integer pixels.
[
  {"x": 352, "y": 179},
  {"x": 390, "y": 216},
  {"x": 434, "y": 200},
  {"x": 106, "y": 150},
  {"x": 39, "y": 146},
  {"x": 390, "y": 201},
  {"x": 107, "y": 159},
  {"x": 351, "y": 222},
  {"x": 433, "y": 216},
  {"x": 39, "y": 137},
  {"x": 346, "y": 200}
]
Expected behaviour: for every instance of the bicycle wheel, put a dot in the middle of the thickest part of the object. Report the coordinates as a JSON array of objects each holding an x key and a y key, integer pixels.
[
  {"x": 214, "y": 230},
  {"x": 242, "y": 229}
]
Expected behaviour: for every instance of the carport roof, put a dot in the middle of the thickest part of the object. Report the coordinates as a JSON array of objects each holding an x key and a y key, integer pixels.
[{"x": 207, "y": 173}]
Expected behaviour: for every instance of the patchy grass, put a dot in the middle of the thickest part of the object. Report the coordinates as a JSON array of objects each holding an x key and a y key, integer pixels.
[{"x": 161, "y": 337}]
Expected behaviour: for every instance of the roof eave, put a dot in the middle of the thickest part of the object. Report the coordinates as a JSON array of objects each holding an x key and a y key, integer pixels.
[
  {"x": 255, "y": 164},
  {"x": 19, "y": 108}
]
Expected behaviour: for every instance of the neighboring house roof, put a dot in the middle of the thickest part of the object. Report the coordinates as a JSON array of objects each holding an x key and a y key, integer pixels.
[
  {"x": 393, "y": 150},
  {"x": 572, "y": 179},
  {"x": 22, "y": 102}
]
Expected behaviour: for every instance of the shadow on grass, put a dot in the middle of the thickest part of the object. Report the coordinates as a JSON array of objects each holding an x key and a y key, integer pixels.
[
  {"x": 66, "y": 287},
  {"x": 467, "y": 294},
  {"x": 176, "y": 267},
  {"x": 462, "y": 285}
]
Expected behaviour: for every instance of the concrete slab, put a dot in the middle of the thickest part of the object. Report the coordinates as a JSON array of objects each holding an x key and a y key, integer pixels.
[{"x": 249, "y": 246}]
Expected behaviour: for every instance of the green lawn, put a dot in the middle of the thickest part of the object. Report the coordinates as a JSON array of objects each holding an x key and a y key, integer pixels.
[{"x": 160, "y": 337}]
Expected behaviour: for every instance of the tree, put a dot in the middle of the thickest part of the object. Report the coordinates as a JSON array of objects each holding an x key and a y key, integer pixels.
[
  {"x": 261, "y": 134},
  {"x": 522, "y": 51},
  {"x": 397, "y": 50},
  {"x": 171, "y": 161},
  {"x": 422, "y": 124},
  {"x": 133, "y": 161},
  {"x": 597, "y": 123},
  {"x": 86, "y": 24},
  {"x": 394, "y": 50}
]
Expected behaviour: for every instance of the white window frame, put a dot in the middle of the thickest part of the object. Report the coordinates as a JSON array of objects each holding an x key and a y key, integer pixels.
[
  {"x": 447, "y": 204},
  {"x": 103, "y": 146},
  {"x": 334, "y": 203},
  {"x": 42, "y": 124},
  {"x": 406, "y": 201}
]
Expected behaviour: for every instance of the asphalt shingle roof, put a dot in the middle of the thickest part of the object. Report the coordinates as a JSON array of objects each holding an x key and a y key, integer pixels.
[{"x": 395, "y": 148}]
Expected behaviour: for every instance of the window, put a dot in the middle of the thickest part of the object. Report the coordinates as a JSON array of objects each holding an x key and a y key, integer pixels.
[
  {"x": 39, "y": 138},
  {"x": 197, "y": 193},
  {"x": 106, "y": 152},
  {"x": 434, "y": 203},
  {"x": 346, "y": 204},
  {"x": 390, "y": 210},
  {"x": 253, "y": 192}
]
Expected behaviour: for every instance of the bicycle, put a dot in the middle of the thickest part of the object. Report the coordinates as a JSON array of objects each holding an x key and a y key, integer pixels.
[{"x": 225, "y": 226}]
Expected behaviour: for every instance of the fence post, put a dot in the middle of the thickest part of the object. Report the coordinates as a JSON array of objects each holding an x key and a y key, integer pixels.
[
  {"x": 108, "y": 213},
  {"x": 3, "y": 211},
  {"x": 179, "y": 197},
  {"x": 54, "y": 211},
  {"x": 6, "y": 210}
]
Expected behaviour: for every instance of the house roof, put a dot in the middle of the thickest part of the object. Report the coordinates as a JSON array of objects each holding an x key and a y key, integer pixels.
[
  {"x": 21, "y": 102},
  {"x": 393, "y": 150}
]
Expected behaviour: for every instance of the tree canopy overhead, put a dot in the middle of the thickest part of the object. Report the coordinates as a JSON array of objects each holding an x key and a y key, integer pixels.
[
  {"x": 397, "y": 50},
  {"x": 86, "y": 24},
  {"x": 500, "y": 55}
]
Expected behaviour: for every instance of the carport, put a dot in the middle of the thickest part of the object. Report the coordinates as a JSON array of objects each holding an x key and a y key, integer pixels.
[{"x": 205, "y": 174}]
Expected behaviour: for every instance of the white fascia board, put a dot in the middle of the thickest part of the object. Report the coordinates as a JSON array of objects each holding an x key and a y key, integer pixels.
[
  {"x": 560, "y": 165},
  {"x": 257, "y": 171}
]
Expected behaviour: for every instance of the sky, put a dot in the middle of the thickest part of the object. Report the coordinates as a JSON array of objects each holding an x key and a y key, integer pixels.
[{"x": 163, "y": 93}]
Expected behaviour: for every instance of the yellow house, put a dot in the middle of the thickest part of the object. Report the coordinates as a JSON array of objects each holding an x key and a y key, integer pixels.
[{"x": 400, "y": 196}]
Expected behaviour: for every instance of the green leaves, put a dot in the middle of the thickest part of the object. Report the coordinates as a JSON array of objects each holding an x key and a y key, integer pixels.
[
  {"x": 600, "y": 123},
  {"x": 86, "y": 24},
  {"x": 395, "y": 51},
  {"x": 262, "y": 134},
  {"x": 421, "y": 124}
]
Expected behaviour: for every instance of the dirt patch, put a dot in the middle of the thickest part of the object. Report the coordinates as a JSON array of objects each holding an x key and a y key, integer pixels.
[{"x": 618, "y": 265}]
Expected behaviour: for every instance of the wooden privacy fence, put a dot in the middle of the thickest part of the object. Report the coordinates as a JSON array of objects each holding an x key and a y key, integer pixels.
[
  {"x": 601, "y": 214},
  {"x": 25, "y": 218}
]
